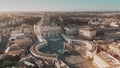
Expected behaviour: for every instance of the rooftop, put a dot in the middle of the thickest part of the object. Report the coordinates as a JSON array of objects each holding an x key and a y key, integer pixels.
[
  {"x": 87, "y": 28},
  {"x": 108, "y": 58},
  {"x": 14, "y": 52}
]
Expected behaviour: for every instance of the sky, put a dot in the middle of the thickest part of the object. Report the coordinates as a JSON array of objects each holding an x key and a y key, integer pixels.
[{"x": 59, "y": 5}]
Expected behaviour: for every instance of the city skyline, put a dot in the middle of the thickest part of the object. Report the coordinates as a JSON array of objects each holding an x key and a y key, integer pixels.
[
  {"x": 59, "y": 34},
  {"x": 59, "y": 5}
]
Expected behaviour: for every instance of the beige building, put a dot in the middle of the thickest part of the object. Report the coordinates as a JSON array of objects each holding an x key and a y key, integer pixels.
[
  {"x": 105, "y": 60},
  {"x": 48, "y": 31},
  {"x": 87, "y": 32},
  {"x": 115, "y": 48},
  {"x": 25, "y": 41},
  {"x": 14, "y": 53},
  {"x": 72, "y": 30}
]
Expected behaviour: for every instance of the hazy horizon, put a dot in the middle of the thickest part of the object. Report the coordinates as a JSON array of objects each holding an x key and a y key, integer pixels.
[{"x": 59, "y": 5}]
